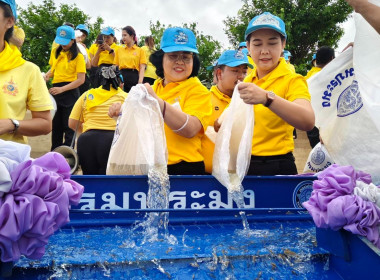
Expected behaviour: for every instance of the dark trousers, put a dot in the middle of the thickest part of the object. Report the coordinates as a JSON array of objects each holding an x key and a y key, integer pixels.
[
  {"x": 93, "y": 151},
  {"x": 148, "y": 80},
  {"x": 61, "y": 128},
  {"x": 130, "y": 77},
  {"x": 187, "y": 168},
  {"x": 272, "y": 165},
  {"x": 313, "y": 136},
  {"x": 61, "y": 134}
]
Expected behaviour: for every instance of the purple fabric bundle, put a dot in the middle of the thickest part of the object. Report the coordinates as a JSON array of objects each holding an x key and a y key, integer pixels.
[
  {"x": 333, "y": 205},
  {"x": 36, "y": 206}
]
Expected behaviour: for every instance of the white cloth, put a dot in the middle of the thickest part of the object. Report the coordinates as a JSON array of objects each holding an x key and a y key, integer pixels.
[
  {"x": 83, "y": 51},
  {"x": 11, "y": 155},
  {"x": 348, "y": 131},
  {"x": 233, "y": 144},
  {"x": 368, "y": 192}
]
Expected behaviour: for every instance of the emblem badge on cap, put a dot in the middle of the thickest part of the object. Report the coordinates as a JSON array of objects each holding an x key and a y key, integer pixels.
[
  {"x": 239, "y": 55},
  {"x": 181, "y": 38},
  {"x": 62, "y": 33},
  {"x": 266, "y": 19}
]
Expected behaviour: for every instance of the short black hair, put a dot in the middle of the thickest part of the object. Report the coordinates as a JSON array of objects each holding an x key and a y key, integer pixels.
[
  {"x": 249, "y": 37},
  {"x": 7, "y": 14},
  {"x": 157, "y": 58},
  {"x": 324, "y": 55}
]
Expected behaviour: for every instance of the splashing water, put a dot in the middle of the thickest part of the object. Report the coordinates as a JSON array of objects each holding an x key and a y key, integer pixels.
[
  {"x": 235, "y": 188},
  {"x": 155, "y": 224}
]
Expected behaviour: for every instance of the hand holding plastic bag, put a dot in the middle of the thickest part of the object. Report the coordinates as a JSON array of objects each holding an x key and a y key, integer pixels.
[{"x": 233, "y": 144}]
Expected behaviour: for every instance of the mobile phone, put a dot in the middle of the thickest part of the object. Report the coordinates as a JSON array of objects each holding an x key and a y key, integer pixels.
[{"x": 101, "y": 41}]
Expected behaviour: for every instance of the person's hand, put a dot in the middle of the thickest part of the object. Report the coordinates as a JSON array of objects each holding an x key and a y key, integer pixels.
[
  {"x": 252, "y": 94},
  {"x": 55, "y": 90},
  {"x": 151, "y": 91},
  {"x": 357, "y": 4},
  {"x": 217, "y": 125},
  {"x": 114, "y": 110},
  {"x": 349, "y": 45}
]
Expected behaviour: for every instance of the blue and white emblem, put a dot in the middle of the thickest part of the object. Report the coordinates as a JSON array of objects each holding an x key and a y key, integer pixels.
[
  {"x": 239, "y": 55},
  {"x": 90, "y": 96},
  {"x": 349, "y": 101},
  {"x": 62, "y": 33},
  {"x": 318, "y": 156},
  {"x": 266, "y": 19},
  {"x": 181, "y": 38},
  {"x": 302, "y": 193}
]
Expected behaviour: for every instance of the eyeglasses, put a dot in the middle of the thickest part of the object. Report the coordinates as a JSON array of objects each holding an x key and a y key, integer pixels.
[{"x": 185, "y": 57}]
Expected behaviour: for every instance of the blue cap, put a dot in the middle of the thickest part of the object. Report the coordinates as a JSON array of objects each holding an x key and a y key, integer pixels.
[
  {"x": 266, "y": 20},
  {"x": 178, "y": 39},
  {"x": 108, "y": 31},
  {"x": 242, "y": 44},
  {"x": 314, "y": 57},
  {"x": 64, "y": 35},
  {"x": 83, "y": 27},
  {"x": 211, "y": 67},
  {"x": 288, "y": 53},
  {"x": 233, "y": 58},
  {"x": 245, "y": 51},
  {"x": 12, "y": 4}
]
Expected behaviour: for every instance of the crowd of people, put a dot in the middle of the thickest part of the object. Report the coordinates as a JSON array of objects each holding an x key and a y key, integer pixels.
[{"x": 88, "y": 102}]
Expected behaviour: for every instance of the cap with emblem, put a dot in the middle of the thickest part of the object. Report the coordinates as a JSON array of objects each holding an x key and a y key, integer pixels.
[
  {"x": 12, "y": 4},
  {"x": 233, "y": 58},
  {"x": 64, "y": 35},
  {"x": 108, "y": 31},
  {"x": 83, "y": 27},
  {"x": 178, "y": 39},
  {"x": 266, "y": 20}
]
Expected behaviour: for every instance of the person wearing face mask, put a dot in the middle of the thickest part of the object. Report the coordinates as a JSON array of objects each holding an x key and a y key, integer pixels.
[
  {"x": 68, "y": 69},
  {"x": 22, "y": 86},
  {"x": 231, "y": 68},
  {"x": 103, "y": 54},
  {"x": 280, "y": 97},
  {"x": 185, "y": 103},
  {"x": 131, "y": 59}
]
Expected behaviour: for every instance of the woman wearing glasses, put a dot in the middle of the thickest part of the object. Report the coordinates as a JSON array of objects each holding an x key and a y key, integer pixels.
[{"x": 185, "y": 103}]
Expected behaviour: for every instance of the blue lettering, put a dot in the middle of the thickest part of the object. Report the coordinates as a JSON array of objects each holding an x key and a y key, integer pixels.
[
  {"x": 340, "y": 75},
  {"x": 326, "y": 104}
]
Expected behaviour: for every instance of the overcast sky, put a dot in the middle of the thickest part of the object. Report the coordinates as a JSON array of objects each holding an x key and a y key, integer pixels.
[{"x": 209, "y": 14}]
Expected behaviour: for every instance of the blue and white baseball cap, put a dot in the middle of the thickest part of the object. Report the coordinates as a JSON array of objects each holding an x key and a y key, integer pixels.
[
  {"x": 242, "y": 44},
  {"x": 12, "y": 4},
  {"x": 233, "y": 58},
  {"x": 108, "y": 31},
  {"x": 64, "y": 35},
  {"x": 178, "y": 39},
  {"x": 83, "y": 27},
  {"x": 266, "y": 20}
]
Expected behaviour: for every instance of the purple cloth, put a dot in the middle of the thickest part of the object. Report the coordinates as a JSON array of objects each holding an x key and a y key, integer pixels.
[
  {"x": 36, "y": 206},
  {"x": 333, "y": 182},
  {"x": 356, "y": 215}
]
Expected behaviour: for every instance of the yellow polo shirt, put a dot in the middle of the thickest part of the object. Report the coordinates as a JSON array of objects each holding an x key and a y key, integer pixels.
[
  {"x": 194, "y": 99},
  {"x": 104, "y": 57},
  {"x": 312, "y": 72},
  {"x": 272, "y": 135},
  {"x": 64, "y": 69},
  {"x": 150, "y": 71},
  {"x": 21, "y": 88},
  {"x": 95, "y": 116},
  {"x": 219, "y": 102},
  {"x": 130, "y": 58}
]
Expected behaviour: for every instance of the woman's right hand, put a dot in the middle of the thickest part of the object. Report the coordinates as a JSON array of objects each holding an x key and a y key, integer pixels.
[{"x": 114, "y": 110}]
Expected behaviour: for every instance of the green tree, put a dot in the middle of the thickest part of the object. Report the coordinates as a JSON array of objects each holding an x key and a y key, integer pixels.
[
  {"x": 309, "y": 24},
  {"x": 209, "y": 48},
  {"x": 40, "y": 23}
]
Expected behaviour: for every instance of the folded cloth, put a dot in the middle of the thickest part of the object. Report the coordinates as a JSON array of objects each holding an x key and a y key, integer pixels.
[
  {"x": 356, "y": 215},
  {"x": 368, "y": 192},
  {"x": 37, "y": 205}
]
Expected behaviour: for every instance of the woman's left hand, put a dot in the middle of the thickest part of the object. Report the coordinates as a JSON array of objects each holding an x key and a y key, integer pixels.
[
  {"x": 252, "y": 94},
  {"x": 55, "y": 90}
]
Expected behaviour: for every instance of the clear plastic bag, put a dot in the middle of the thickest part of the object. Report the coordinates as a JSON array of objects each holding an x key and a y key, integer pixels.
[
  {"x": 139, "y": 142},
  {"x": 233, "y": 144}
]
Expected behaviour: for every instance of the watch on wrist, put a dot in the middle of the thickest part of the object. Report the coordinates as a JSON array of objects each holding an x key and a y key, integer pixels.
[
  {"x": 270, "y": 97},
  {"x": 111, "y": 51},
  {"x": 16, "y": 124}
]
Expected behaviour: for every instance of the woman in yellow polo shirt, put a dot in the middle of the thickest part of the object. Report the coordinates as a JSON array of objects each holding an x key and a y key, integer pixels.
[
  {"x": 281, "y": 98},
  {"x": 185, "y": 103},
  {"x": 102, "y": 54},
  {"x": 68, "y": 69},
  {"x": 131, "y": 59},
  {"x": 21, "y": 87},
  {"x": 150, "y": 71},
  {"x": 90, "y": 112}
]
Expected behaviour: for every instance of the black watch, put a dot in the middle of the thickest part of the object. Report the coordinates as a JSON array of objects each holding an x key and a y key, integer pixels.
[
  {"x": 270, "y": 97},
  {"x": 16, "y": 123},
  {"x": 111, "y": 51}
]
